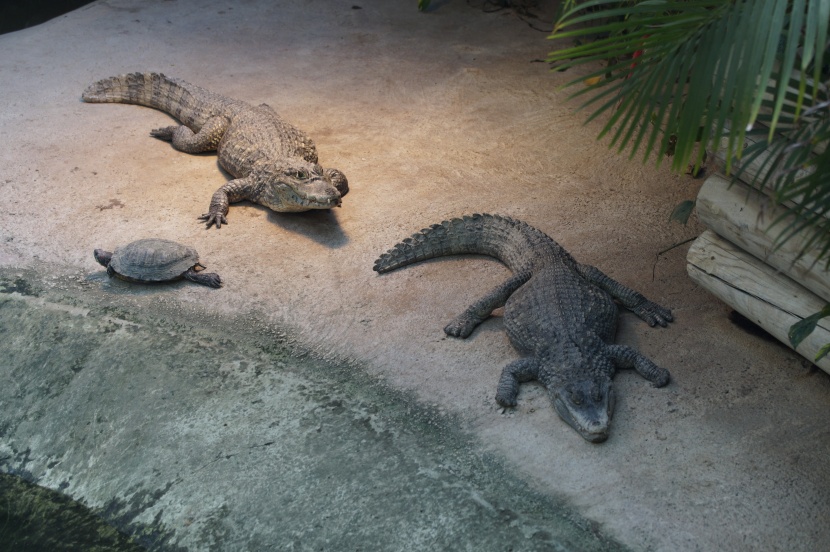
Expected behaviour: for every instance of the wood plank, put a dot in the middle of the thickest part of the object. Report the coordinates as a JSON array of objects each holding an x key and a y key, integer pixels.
[
  {"x": 759, "y": 292},
  {"x": 743, "y": 215}
]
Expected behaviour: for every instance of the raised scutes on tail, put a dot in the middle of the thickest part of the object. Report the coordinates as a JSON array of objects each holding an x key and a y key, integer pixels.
[
  {"x": 273, "y": 163},
  {"x": 559, "y": 314}
]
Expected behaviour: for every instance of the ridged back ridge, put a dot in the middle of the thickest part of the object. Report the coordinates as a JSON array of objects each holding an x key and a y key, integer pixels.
[
  {"x": 188, "y": 103},
  {"x": 512, "y": 242}
]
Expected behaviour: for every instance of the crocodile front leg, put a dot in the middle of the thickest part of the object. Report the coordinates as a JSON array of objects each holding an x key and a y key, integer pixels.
[
  {"x": 231, "y": 192},
  {"x": 634, "y": 301},
  {"x": 518, "y": 371},
  {"x": 184, "y": 139},
  {"x": 464, "y": 324},
  {"x": 338, "y": 180},
  {"x": 626, "y": 357}
]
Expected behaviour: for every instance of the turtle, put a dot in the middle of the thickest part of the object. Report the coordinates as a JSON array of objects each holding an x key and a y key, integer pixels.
[{"x": 156, "y": 260}]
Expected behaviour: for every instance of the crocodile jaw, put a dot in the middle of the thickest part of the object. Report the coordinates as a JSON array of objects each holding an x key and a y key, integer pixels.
[
  {"x": 586, "y": 406},
  {"x": 285, "y": 194}
]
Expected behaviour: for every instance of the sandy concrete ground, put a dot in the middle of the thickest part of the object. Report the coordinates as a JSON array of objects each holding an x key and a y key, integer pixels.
[{"x": 430, "y": 116}]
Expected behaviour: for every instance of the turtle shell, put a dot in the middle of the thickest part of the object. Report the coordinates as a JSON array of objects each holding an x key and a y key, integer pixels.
[{"x": 153, "y": 260}]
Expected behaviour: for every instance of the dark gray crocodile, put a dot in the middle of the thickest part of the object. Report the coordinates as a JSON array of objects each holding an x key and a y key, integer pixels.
[
  {"x": 273, "y": 163},
  {"x": 560, "y": 314}
]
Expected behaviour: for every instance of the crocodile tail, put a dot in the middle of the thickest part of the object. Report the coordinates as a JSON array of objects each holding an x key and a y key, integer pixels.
[
  {"x": 508, "y": 240},
  {"x": 183, "y": 101}
]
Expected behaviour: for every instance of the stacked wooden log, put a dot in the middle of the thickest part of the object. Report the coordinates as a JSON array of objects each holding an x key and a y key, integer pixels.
[{"x": 737, "y": 260}]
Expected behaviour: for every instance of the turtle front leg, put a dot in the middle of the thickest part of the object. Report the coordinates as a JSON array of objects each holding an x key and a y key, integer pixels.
[
  {"x": 210, "y": 279},
  {"x": 231, "y": 192},
  {"x": 184, "y": 139}
]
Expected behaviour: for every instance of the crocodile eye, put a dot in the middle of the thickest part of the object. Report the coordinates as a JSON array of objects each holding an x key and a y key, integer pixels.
[
  {"x": 576, "y": 398},
  {"x": 302, "y": 175}
]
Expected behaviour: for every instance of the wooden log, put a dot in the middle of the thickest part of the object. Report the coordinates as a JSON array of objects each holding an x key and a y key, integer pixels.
[
  {"x": 759, "y": 292},
  {"x": 743, "y": 215}
]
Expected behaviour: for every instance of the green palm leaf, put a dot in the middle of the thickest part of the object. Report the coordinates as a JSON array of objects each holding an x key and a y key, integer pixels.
[
  {"x": 701, "y": 63},
  {"x": 681, "y": 73}
]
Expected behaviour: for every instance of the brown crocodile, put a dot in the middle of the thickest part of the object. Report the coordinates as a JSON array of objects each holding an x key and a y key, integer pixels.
[
  {"x": 273, "y": 163},
  {"x": 559, "y": 314}
]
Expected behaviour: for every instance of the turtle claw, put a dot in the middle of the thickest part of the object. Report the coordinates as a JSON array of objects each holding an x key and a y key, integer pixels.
[{"x": 209, "y": 279}]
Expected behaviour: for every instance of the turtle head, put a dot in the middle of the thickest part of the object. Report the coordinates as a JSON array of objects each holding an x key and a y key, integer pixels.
[
  {"x": 299, "y": 187},
  {"x": 586, "y": 405},
  {"x": 103, "y": 257}
]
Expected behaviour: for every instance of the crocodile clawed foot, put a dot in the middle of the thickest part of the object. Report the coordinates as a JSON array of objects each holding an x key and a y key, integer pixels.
[
  {"x": 214, "y": 218},
  {"x": 661, "y": 378},
  {"x": 506, "y": 401},
  {"x": 165, "y": 133},
  {"x": 462, "y": 325},
  {"x": 338, "y": 180},
  {"x": 654, "y": 314}
]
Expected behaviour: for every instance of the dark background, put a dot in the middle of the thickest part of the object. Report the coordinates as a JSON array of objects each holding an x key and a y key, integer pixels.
[{"x": 19, "y": 15}]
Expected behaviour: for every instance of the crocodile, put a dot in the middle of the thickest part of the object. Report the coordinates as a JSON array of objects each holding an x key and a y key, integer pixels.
[
  {"x": 559, "y": 314},
  {"x": 273, "y": 163}
]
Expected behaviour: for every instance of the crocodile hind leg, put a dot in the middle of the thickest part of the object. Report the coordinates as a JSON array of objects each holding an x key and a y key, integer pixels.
[
  {"x": 184, "y": 139},
  {"x": 634, "y": 301},
  {"x": 464, "y": 324},
  {"x": 626, "y": 357},
  {"x": 233, "y": 191},
  {"x": 518, "y": 371}
]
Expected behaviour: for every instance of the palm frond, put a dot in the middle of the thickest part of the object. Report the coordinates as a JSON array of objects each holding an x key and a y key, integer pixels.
[
  {"x": 681, "y": 73},
  {"x": 700, "y": 63}
]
